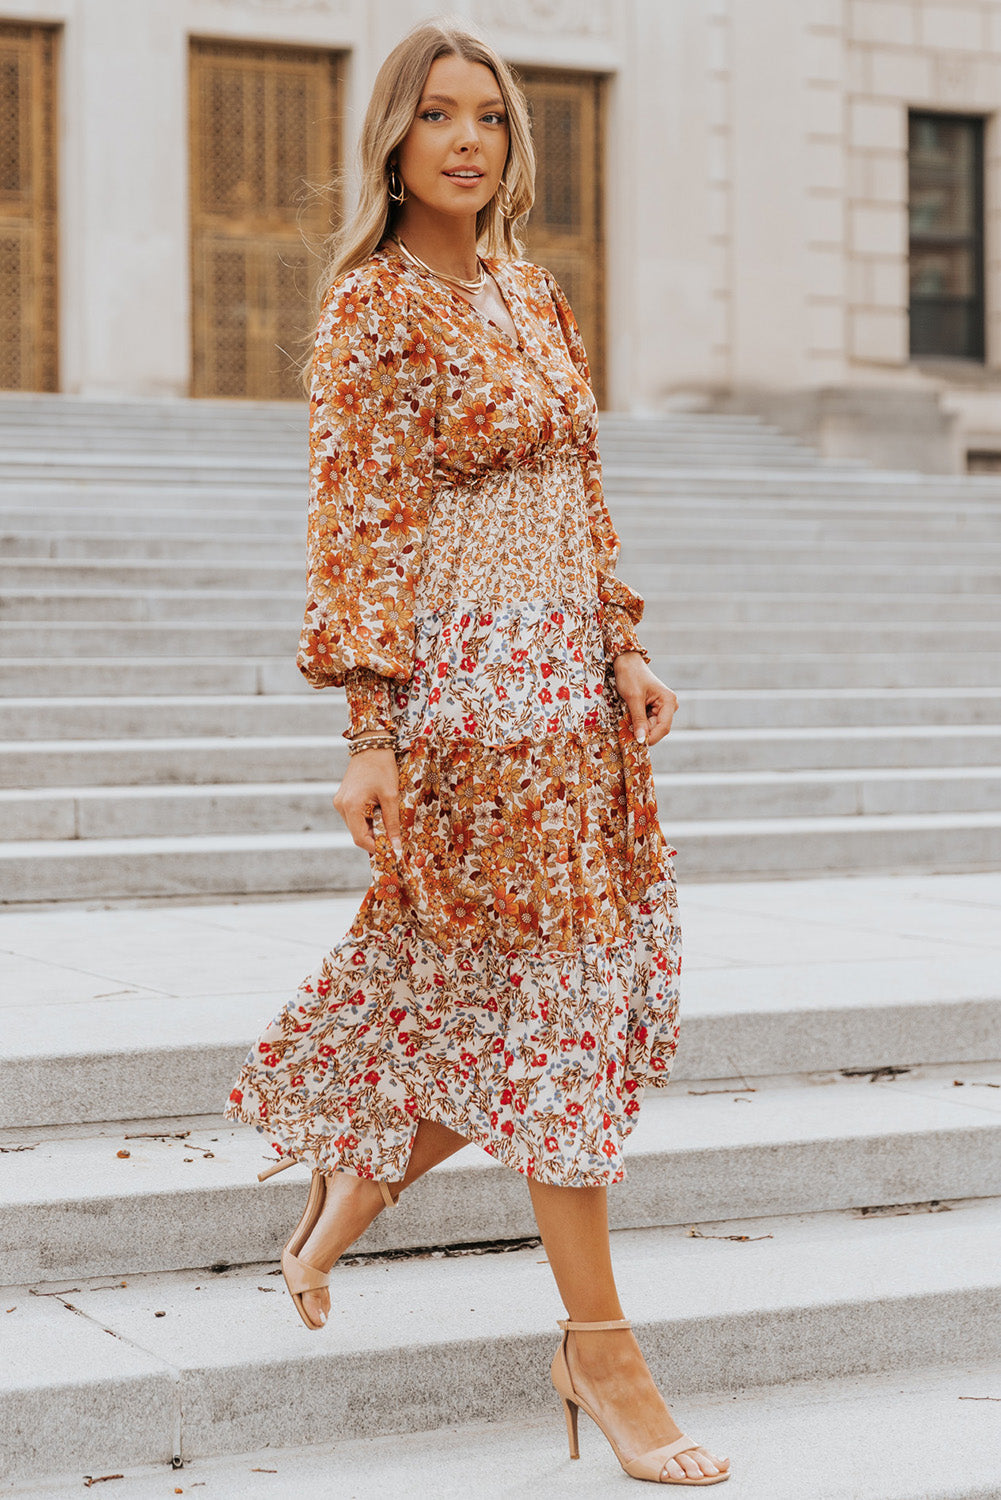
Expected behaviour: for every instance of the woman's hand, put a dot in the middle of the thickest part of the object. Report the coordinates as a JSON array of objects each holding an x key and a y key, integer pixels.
[
  {"x": 372, "y": 778},
  {"x": 650, "y": 702}
]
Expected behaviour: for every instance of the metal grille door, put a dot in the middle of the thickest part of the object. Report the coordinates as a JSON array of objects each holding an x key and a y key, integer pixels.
[
  {"x": 565, "y": 228},
  {"x": 28, "y": 313},
  {"x": 264, "y": 122}
]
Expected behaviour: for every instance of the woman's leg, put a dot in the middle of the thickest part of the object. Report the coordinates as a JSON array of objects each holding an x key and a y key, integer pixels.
[
  {"x": 607, "y": 1367},
  {"x": 353, "y": 1202}
]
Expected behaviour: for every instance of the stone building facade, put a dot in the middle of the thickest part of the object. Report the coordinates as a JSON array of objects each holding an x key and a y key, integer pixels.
[{"x": 785, "y": 206}]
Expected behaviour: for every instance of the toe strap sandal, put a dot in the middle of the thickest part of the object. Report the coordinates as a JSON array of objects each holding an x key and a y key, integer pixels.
[
  {"x": 647, "y": 1465},
  {"x": 300, "y": 1277}
]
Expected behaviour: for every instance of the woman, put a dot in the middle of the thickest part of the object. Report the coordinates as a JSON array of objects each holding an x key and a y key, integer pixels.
[{"x": 511, "y": 976}]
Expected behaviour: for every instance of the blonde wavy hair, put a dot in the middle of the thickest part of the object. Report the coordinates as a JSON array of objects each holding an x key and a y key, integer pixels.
[{"x": 390, "y": 114}]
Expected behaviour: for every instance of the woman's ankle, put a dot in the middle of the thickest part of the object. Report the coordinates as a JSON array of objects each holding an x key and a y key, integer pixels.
[
  {"x": 353, "y": 1203},
  {"x": 598, "y": 1355}
]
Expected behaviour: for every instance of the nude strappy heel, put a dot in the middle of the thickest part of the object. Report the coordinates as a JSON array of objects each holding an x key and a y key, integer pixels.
[
  {"x": 648, "y": 1465},
  {"x": 300, "y": 1277}
]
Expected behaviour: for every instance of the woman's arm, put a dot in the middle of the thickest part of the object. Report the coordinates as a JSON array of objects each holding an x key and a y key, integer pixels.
[{"x": 371, "y": 458}]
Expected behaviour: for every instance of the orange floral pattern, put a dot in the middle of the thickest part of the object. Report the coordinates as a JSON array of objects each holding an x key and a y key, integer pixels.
[{"x": 514, "y": 975}]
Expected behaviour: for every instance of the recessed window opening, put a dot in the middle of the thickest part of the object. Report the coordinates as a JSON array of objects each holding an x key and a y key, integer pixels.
[{"x": 946, "y": 213}]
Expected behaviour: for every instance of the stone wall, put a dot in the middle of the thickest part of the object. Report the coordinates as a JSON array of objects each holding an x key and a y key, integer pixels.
[
  {"x": 756, "y": 189},
  {"x": 827, "y": 258}
]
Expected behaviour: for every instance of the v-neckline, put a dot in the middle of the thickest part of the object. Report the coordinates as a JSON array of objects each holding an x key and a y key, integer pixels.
[
  {"x": 517, "y": 343},
  {"x": 506, "y": 293}
]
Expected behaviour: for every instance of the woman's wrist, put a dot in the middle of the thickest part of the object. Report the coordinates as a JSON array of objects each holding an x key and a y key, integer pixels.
[
  {"x": 368, "y": 702},
  {"x": 373, "y": 741}
]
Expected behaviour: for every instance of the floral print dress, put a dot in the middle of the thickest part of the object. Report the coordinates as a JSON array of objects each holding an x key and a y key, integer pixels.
[{"x": 514, "y": 976}]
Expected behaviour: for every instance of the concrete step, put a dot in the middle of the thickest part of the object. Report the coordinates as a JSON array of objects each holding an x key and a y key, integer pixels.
[
  {"x": 122, "y": 1200},
  {"x": 80, "y": 455},
  {"x": 95, "y": 1058},
  {"x": 743, "y": 1302},
  {"x": 798, "y": 794},
  {"x": 791, "y": 592},
  {"x": 659, "y": 491},
  {"x": 733, "y": 708},
  {"x": 208, "y": 759},
  {"x": 59, "y": 600},
  {"x": 138, "y": 717},
  {"x": 140, "y": 605},
  {"x": 872, "y": 669},
  {"x": 252, "y": 564},
  {"x": 170, "y": 546},
  {"x": 221, "y": 864},
  {"x": 242, "y": 864},
  {"x": 766, "y": 848},
  {"x": 143, "y": 762},
  {"x": 85, "y": 638},
  {"x": 167, "y": 811},
  {"x": 32, "y": 532},
  {"x": 248, "y": 576},
  {"x": 169, "y": 677},
  {"x": 140, "y": 1011},
  {"x": 27, "y": 676},
  {"x": 71, "y": 439},
  {"x": 688, "y": 523},
  {"x": 677, "y": 467},
  {"x": 928, "y": 1433},
  {"x": 305, "y": 806},
  {"x": 105, "y": 466},
  {"x": 694, "y": 490},
  {"x": 801, "y": 509},
  {"x": 648, "y": 536}
]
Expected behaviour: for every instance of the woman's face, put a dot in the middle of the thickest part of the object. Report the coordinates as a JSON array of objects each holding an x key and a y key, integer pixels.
[{"x": 453, "y": 155}]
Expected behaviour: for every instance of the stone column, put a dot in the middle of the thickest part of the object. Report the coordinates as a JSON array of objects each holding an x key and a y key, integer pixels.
[
  {"x": 660, "y": 284},
  {"x": 125, "y": 281},
  {"x": 770, "y": 205}
]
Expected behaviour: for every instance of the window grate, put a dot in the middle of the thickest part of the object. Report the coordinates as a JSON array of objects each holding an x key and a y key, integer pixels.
[
  {"x": 565, "y": 231},
  {"x": 264, "y": 125},
  {"x": 28, "y": 287}
]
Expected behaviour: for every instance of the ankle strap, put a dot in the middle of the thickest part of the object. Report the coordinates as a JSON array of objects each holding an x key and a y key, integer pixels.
[{"x": 570, "y": 1327}]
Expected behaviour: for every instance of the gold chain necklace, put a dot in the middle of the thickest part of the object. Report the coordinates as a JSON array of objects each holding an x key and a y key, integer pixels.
[{"x": 467, "y": 286}]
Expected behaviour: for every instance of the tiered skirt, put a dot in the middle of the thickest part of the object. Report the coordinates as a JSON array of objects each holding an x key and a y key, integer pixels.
[{"x": 514, "y": 976}]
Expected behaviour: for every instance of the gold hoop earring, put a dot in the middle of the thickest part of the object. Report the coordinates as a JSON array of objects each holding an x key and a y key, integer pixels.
[
  {"x": 396, "y": 189},
  {"x": 506, "y": 204}
]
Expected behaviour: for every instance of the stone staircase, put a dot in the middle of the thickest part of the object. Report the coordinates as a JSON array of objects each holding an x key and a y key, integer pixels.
[
  {"x": 811, "y": 1196},
  {"x": 807, "y": 1235},
  {"x": 834, "y": 634}
]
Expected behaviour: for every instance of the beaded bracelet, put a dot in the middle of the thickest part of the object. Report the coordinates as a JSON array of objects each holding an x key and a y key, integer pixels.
[{"x": 373, "y": 742}]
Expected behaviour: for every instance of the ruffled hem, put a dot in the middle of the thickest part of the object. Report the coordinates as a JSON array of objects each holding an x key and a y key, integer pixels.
[
  {"x": 513, "y": 976},
  {"x": 540, "y": 1058}
]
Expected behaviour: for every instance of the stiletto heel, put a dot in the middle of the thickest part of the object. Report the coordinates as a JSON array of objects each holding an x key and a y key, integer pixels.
[
  {"x": 648, "y": 1465},
  {"x": 570, "y": 1410},
  {"x": 276, "y": 1166}
]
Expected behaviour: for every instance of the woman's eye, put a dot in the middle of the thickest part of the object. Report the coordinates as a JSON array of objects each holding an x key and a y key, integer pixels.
[
  {"x": 432, "y": 114},
  {"x": 496, "y": 119}
]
